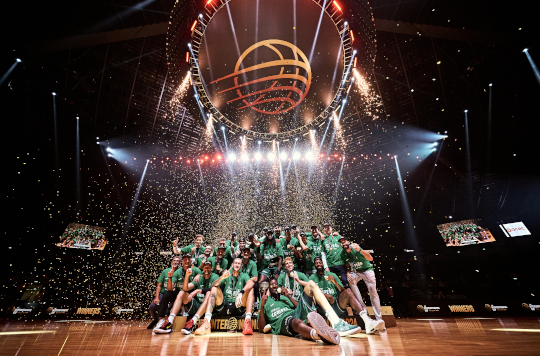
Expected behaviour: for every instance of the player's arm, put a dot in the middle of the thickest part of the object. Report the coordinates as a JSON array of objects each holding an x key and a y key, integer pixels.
[
  {"x": 187, "y": 286},
  {"x": 301, "y": 282},
  {"x": 367, "y": 255},
  {"x": 158, "y": 291},
  {"x": 175, "y": 246},
  {"x": 169, "y": 280},
  {"x": 259, "y": 257},
  {"x": 218, "y": 281},
  {"x": 336, "y": 283},
  {"x": 262, "y": 320},
  {"x": 285, "y": 293}
]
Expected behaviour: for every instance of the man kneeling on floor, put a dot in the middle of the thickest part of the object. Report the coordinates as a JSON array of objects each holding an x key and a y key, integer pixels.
[
  {"x": 286, "y": 316},
  {"x": 236, "y": 298}
]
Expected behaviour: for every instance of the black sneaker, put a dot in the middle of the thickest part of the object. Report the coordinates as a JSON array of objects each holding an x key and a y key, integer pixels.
[
  {"x": 152, "y": 324},
  {"x": 165, "y": 328},
  {"x": 188, "y": 328}
]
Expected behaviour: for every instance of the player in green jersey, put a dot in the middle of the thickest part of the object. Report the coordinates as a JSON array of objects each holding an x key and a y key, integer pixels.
[
  {"x": 293, "y": 280},
  {"x": 270, "y": 255},
  {"x": 289, "y": 245},
  {"x": 359, "y": 261},
  {"x": 219, "y": 262},
  {"x": 340, "y": 297},
  {"x": 205, "y": 256},
  {"x": 194, "y": 250},
  {"x": 332, "y": 249},
  {"x": 161, "y": 288},
  {"x": 235, "y": 299},
  {"x": 227, "y": 252}
]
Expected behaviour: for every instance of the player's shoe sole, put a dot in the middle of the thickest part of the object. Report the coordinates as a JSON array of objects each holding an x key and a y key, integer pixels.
[
  {"x": 373, "y": 326},
  {"x": 326, "y": 333}
]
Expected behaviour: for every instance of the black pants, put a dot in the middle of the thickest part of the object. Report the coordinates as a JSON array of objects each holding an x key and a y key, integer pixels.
[
  {"x": 341, "y": 272},
  {"x": 168, "y": 297}
]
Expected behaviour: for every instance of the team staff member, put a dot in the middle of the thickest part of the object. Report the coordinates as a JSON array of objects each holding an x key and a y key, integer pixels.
[
  {"x": 288, "y": 317},
  {"x": 219, "y": 262},
  {"x": 236, "y": 298},
  {"x": 270, "y": 255},
  {"x": 289, "y": 245},
  {"x": 202, "y": 258},
  {"x": 359, "y": 261},
  {"x": 175, "y": 286},
  {"x": 332, "y": 249},
  {"x": 169, "y": 295},
  {"x": 160, "y": 290},
  {"x": 339, "y": 297},
  {"x": 228, "y": 250}
]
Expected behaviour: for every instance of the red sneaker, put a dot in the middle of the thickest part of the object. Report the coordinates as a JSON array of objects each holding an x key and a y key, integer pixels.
[{"x": 247, "y": 327}]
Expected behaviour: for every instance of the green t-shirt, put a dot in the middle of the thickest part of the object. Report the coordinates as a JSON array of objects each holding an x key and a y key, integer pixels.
[
  {"x": 163, "y": 279},
  {"x": 270, "y": 254},
  {"x": 199, "y": 261},
  {"x": 228, "y": 244},
  {"x": 227, "y": 255},
  {"x": 315, "y": 250},
  {"x": 356, "y": 260},
  {"x": 332, "y": 249},
  {"x": 289, "y": 253},
  {"x": 179, "y": 275},
  {"x": 223, "y": 264},
  {"x": 327, "y": 287},
  {"x": 187, "y": 249},
  {"x": 204, "y": 284},
  {"x": 285, "y": 280},
  {"x": 233, "y": 285},
  {"x": 277, "y": 310},
  {"x": 250, "y": 269}
]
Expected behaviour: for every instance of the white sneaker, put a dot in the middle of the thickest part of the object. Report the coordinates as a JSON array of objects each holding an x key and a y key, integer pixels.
[
  {"x": 373, "y": 326},
  {"x": 159, "y": 325}
]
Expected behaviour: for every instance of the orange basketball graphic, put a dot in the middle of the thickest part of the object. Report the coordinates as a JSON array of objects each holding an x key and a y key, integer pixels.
[{"x": 285, "y": 89}]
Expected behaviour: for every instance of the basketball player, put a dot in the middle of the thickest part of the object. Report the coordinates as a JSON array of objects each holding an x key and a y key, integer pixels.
[
  {"x": 236, "y": 298},
  {"x": 270, "y": 255},
  {"x": 332, "y": 249},
  {"x": 361, "y": 268},
  {"x": 339, "y": 297},
  {"x": 202, "y": 258},
  {"x": 160, "y": 290},
  {"x": 219, "y": 262},
  {"x": 194, "y": 250},
  {"x": 228, "y": 250},
  {"x": 293, "y": 280},
  {"x": 289, "y": 245},
  {"x": 169, "y": 295}
]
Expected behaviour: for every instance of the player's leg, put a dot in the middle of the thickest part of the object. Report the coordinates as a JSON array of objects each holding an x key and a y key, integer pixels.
[
  {"x": 215, "y": 300},
  {"x": 247, "y": 301},
  {"x": 313, "y": 290},
  {"x": 196, "y": 309},
  {"x": 347, "y": 298},
  {"x": 154, "y": 311},
  {"x": 166, "y": 327},
  {"x": 319, "y": 330},
  {"x": 341, "y": 272},
  {"x": 168, "y": 297},
  {"x": 354, "y": 278},
  {"x": 371, "y": 283}
]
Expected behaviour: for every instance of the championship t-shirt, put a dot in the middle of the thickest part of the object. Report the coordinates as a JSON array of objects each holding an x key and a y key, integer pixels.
[
  {"x": 277, "y": 310},
  {"x": 204, "y": 284},
  {"x": 196, "y": 254},
  {"x": 227, "y": 255},
  {"x": 285, "y": 280},
  {"x": 179, "y": 276},
  {"x": 223, "y": 264},
  {"x": 163, "y": 279},
  {"x": 327, "y": 287},
  {"x": 286, "y": 251},
  {"x": 270, "y": 254},
  {"x": 332, "y": 249},
  {"x": 200, "y": 260},
  {"x": 250, "y": 269},
  {"x": 233, "y": 285},
  {"x": 356, "y": 260},
  {"x": 315, "y": 250}
]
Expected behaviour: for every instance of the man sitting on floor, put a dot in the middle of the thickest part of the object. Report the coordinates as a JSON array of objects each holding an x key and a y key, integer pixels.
[{"x": 236, "y": 298}]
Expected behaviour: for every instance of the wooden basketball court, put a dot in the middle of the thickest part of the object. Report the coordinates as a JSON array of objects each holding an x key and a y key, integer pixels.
[{"x": 449, "y": 336}]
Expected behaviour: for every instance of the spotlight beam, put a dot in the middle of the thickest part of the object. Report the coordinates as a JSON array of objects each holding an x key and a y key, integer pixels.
[
  {"x": 78, "y": 168},
  {"x": 6, "y": 74},
  {"x": 469, "y": 172},
  {"x": 339, "y": 180},
  {"x": 533, "y": 65},
  {"x": 323, "y": 7},
  {"x": 407, "y": 218}
]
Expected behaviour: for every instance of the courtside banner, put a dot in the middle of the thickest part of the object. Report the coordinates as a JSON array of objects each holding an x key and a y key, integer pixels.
[
  {"x": 463, "y": 307},
  {"x": 516, "y": 229}
]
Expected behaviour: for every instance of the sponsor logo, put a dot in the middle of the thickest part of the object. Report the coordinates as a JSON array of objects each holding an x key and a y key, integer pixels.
[
  {"x": 119, "y": 310},
  {"x": 426, "y": 309},
  {"x": 53, "y": 311},
  {"x": 461, "y": 308},
  {"x": 88, "y": 311},
  {"x": 232, "y": 324},
  {"x": 22, "y": 310},
  {"x": 532, "y": 307},
  {"x": 278, "y": 312},
  {"x": 492, "y": 307}
]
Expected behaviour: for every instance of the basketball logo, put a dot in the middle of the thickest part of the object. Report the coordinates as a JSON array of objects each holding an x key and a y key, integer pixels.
[
  {"x": 526, "y": 306},
  {"x": 420, "y": 308},
  {"x": 232, "y": 324},
  {"x": 284, "y": 82}
]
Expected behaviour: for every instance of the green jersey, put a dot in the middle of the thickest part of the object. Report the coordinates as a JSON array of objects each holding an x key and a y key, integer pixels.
[
  {"x": 326, "y": 286},
  {"x": 163, "y": 279},
  {"x": 179, "y": 276},
  {"x": 227, "y": 255},
  {"x": 315, "y": 250},
  {"x": 223, "y": 264},
  {"x": 356, "y": 260},
  {"x": 250, "y": 269},
  {"x": 228, "y": 244},
  {"x": 288, "y": 252},
  {"x": 277, "y": 310},
  {"x": 285, "y": 280},
  {"x": 199, "y": 261},
  {"x": 196, "y": 254},
  {"x": 233, "y": 285},
  {"x": 204, "y": 284},
  {"x": 270, "y": 254},
  {"x": 332, "y": 249}
]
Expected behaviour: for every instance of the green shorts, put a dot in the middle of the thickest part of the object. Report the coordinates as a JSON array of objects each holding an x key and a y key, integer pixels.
[
  {"x": 192, "y": 307},
  {"x": 269, "y": 271},
  {"x": 305, "y": 306},
  {"x": 335, "y": 306}
]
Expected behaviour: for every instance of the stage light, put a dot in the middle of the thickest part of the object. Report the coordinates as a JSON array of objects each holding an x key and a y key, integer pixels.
[
  {"x": 296, "y": 139},
  {"x": 309, "y": 156},
  {"x": 345, "y": 24},
  {"x": 434, "y": 149},
  {"x": 283, "y": 155},
  {"x": 466, "y": 111},
  {"x": 258, "y": 156},
  {"x": 524, "y": 50},
  {"x": 53, "y": 93},
  {"x": 200, "y": 16},
  {"x": 435, "y": 144},
  {"x": 194, "y": 24},
  {"x": 259, "y": 142},
  {"x": 271, "y": 156},
  {"x": 490, "y": 84},
  {"x": 108, "y": 149},
  {"x": 109, "y": 155},
  {"x": 354, "y": 52},
  {"x": 77, "y": 118},
  {"x": 344, "y": 101},
  {"x": 208, "y": 2},
  {"x": 223, "y": 128},
  {"x": 19, "y": 60},
  {"x": 245, "y": 157},
  {"x": 296, "y": 156},
  {"x": 336, "y": 5},
  {"x": 189, "y": 45},
  {"x": 232, "y": 156}
]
